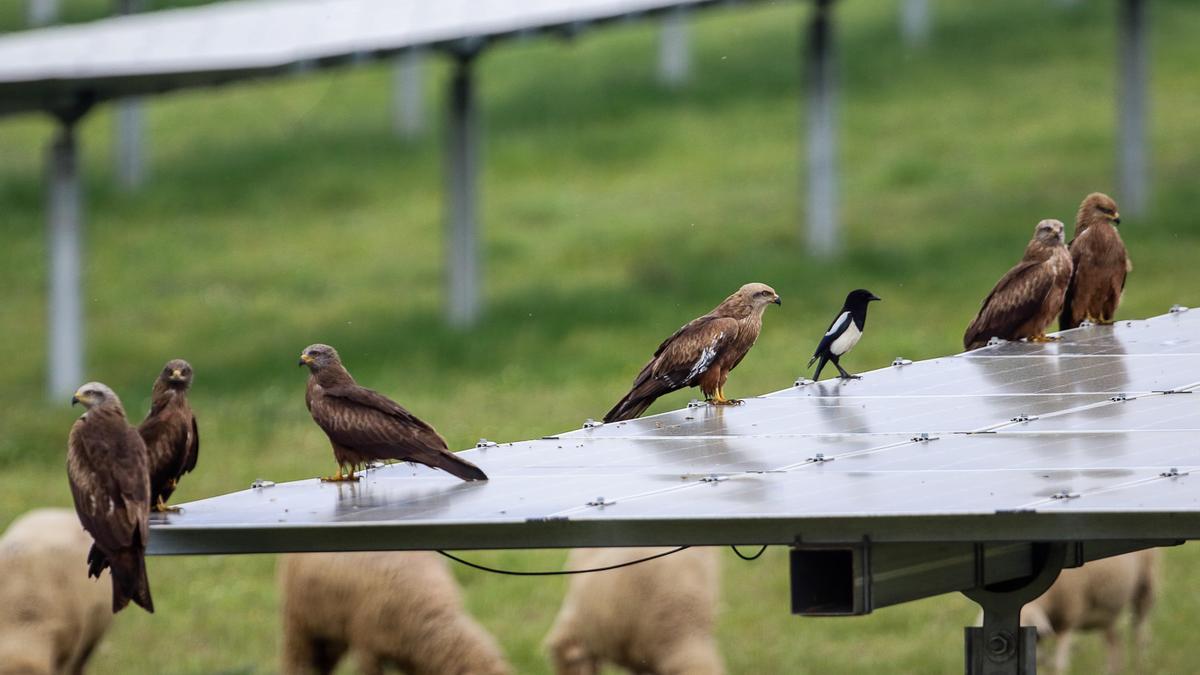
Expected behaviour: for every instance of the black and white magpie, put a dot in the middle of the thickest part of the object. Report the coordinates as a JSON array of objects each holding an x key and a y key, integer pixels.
[{"x": 843, "y": 333}]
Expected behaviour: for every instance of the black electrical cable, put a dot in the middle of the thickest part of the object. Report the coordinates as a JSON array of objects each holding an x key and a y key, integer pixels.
[
  {"x": 756, "y": 556},
  {"x": 556, "y": 573}
]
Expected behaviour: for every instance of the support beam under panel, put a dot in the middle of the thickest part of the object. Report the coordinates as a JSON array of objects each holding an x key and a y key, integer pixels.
[
  {"x": 1133, "y": 55},
  {"x": 130, "y": 146},
  {"x": 674, "y": 49},
  {"x": 821, "y": 76},
  {"x": 408, "y": 94},
  {"x": 1002, "y": 646},
  {"x": 914, "y": 22},
  {"x": 462, "y": 168},
  {"x": 64, "y": 354},
  {"x": 43, "y": 12}
]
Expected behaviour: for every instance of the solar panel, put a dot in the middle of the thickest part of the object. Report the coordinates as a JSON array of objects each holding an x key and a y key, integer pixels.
[
  {"x": 217, "y": 43},
  {"x": 1089, "y": 438}
]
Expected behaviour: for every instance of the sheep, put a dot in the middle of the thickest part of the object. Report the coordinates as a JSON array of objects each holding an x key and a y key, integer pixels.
[
  {"x": 52, "y": 615},
  {"x": 388, "y": 608},
  {"x": 651, "y": 618},
  {"x": 1093, "y": 597}
]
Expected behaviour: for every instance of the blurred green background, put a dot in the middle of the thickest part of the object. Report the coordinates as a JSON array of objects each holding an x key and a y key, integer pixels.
[{"x": 285, "y": 212}]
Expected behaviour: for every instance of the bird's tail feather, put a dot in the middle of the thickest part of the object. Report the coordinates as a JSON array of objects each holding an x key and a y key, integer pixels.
[
  {"x": 811, "y": 361},
  {"x": 628, "y": 408},
  {"x": 820, "y": 366},
  {"x": 129, "y": 580},
  {"x": 458, "y": 467},
  {"x": 639, "y": 398},
  {"x": 1065, "y": 322},
  {"x": 97, "y": 562}
]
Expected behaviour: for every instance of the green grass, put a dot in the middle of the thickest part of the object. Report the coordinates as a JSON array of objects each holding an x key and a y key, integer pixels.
[{"x": 284, "y": 213}]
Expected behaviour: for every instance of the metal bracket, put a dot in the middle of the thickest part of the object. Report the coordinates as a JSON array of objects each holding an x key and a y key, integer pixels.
[
  {"x": 601, "y": 502},
  {"x": 590, "y": 423},
  {"x": 1178, "y": 309},
  {"x": 1001, "y": 646},
  {"x": 901, "y": 361}
]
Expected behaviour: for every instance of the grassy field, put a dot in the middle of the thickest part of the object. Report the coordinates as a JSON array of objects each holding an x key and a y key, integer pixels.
[{"x": 285, "y": 213}]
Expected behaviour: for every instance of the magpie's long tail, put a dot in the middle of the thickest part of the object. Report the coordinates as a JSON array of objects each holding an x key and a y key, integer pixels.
[{"x": 820, "y": 364}]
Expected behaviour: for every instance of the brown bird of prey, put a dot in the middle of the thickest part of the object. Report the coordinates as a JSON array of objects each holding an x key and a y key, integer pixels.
[
  {"x": 701, "y": 353},
  {"x": 169, "y": 430},
  {"x": 1029, "y": 296},
  {"x": 1101, "y": 264},
  {"x": 106, "y": 466},
  {"x": 364, "y": 425}
]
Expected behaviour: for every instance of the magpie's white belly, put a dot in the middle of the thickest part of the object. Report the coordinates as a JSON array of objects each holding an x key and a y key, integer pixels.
[{"x": 846, "y": 341}]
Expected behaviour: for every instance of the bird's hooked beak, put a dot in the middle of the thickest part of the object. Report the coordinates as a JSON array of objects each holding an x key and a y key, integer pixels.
[
  {"x": 75, "y": 399},
  {"x": 305, "y": 360},
  {"x": 176, "y": 375},
  {"x": 1116, "y": 219},
  {"x": 778, "y": 300}
]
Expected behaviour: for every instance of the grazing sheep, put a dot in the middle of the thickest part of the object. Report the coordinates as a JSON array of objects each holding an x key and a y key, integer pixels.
[
  {"x": 51, "y": 614},
  {"x": 1093, "y": 597},
  {"x": 388, "y": 608},
  {"x": 655, "y": 617}
]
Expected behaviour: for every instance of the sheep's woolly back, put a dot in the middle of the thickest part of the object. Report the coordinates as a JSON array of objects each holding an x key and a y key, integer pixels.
[
  {"x": 400, "y": 608},
  {"x": 653, "y": 617},
  {"x": 51, "y": 614},
  {"x": 1094, "y": 596}
]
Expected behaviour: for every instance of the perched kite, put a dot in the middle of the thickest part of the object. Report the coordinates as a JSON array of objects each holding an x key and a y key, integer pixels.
[
  {"x": 106, "y": 466},
  {"x": 170, "y": 433},
  {"x": 1101, "y": 264},
  {"x": 364, "y": 425},
  {"x": 1027, "y": 298},
  {"x": 701, "y": 353},
  {"x": 843, "y": 333}
]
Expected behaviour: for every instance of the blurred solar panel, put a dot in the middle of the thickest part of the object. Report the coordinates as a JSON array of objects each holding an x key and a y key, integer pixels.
[
  {"x": 1092, "y": 437},
  {"x": 220, "y": 42}
]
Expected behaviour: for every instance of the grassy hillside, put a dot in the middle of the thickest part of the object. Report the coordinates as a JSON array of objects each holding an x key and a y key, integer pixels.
[{"x": 285, "y": 213}]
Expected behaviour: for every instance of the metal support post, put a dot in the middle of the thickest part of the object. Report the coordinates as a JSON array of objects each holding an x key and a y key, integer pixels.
[
  {"x": 823, "y": 237},
  {"x": 1133, "y": 54},
  {"x": 42, "y": 12},
  {"x": 674, "y": 53},
  {"x": 914, "y": 22},
  {"x": 64, "y": 364},
  {"x": 462, "y": 166},
  {"x": 130, "y": 120},
  {"x": 408, "y": 94},
  {"x": 1001, "y": 646}
]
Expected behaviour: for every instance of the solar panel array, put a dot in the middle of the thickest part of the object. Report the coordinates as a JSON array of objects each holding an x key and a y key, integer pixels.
[
  {"x": 1092, "y": 437},
  {"x": 217, "y": 43}
]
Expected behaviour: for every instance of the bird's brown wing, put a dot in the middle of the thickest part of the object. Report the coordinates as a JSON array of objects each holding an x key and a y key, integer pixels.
[
  {"x": 193, "y": 450},
  {"x": 113, "y": 501},
  {"x": 169, "y": 432},
  {"x": 1016, "y": 298},
  {"x": 677, "y": 363},
  {"x": 372, "y": 424}
]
